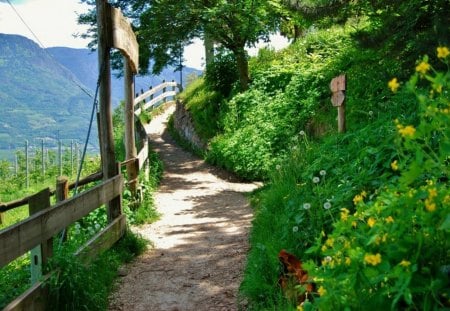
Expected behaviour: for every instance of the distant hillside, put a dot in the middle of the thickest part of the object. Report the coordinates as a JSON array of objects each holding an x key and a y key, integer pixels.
[
  {"x": 39, "y": 97},
  {"x": 83, "y": 64}
]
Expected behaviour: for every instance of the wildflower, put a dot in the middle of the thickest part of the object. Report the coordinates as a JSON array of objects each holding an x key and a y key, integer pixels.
[
  {"x": 405, "y": 263},
  {"x": 348, "y": 261},
  {"x": 430, "y": 205},
  {"x": 394, "y": 165},
  {"x": 389, "y": 219},
  {"x": 302, "y": 133},
  {"x": 371, "y": 222},
  {"x": 344, "y": 214},
  {"x": 306, "y": 205},
  {"x": 358, "y": 198},
  {"x": 393, "y": 85},
  {"x": 423, "y": 67},
  {"x": 322, "y": 173},
  {"x": 364, "y": 194},
  {"x": 408, "y": 130},
  {"x": 295, "y": 229},
  {"x": 370, "y": 113},
  {"x": 316, "y": 179},
  {"x": 278, "y": 167},
  {"x": 432, "y": 193},
  {"x": 372, "y": 259},
  {"x": 442, "y": 52},
  {"x": 324, "y": 248},
  {"x": 354, "y": 224},
  {"x": 327, "y": 205},
  {"x": 329, "y": 242},
  {"x": 322, "y": 291}
]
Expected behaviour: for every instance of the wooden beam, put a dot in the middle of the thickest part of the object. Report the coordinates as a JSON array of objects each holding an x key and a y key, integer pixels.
[
  {"x": 39, "y": 255},
  {"x": 109, "y": 167},
  {"x": 21, "y": 237},
  {"x": 130, "y": 146},
  {"x": 155, "y": 101},
  {"x": 35, "y": 298},
  {"x": 124, "y": 39},
  {"x": 103, "y": 240},
  {"x": 154, "y": 90}
]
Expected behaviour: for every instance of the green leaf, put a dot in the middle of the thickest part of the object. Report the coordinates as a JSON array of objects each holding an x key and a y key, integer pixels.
[{"x": 446, "y": 224}]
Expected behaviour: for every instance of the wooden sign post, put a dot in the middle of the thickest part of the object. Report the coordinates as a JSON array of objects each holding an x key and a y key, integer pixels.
[{"x": 338, "y": 86}]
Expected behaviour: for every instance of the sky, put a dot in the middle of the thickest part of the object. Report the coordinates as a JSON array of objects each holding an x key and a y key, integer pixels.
[{"x": 54, "y": 22}]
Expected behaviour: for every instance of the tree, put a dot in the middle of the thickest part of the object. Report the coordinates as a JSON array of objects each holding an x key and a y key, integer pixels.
[{"x": 164, "y": 27}]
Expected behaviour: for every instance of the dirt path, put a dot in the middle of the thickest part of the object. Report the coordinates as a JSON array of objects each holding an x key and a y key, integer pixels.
[{"x": 200, "y": 243}]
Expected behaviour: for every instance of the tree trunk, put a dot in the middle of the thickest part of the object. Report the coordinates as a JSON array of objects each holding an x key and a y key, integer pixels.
[
  {"x": 209, "y": 49},
  {"x": 242, "y": 65}
]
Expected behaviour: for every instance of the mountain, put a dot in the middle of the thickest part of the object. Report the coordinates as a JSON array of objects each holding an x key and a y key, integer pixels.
[
  {"x": 40, "y": 94},
  {"x": 83, "y": 64}
]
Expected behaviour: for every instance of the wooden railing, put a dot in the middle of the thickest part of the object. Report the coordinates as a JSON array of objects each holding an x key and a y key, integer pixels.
[{"x": 47, "y": 221}]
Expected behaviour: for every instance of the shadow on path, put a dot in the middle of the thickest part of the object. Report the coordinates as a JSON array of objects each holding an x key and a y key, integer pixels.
[{"x": 200, "y": 242}]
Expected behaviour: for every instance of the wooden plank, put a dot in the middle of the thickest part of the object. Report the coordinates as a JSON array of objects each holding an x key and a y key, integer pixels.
[
  {"x": 154, "y": 91},
  {"x": 103, "y": 240},
  {"x": 155, "y": 101},
  {"x": 39, "y": 254},
  {"x": 143, "y": 155},
  {"x": 21, "y": 237},
  {"x": 35, "y": 298},
  {"x": 338, "y": 83},
  {"x": 338, "y": 98},
  {"x": 123, "y": 38}
]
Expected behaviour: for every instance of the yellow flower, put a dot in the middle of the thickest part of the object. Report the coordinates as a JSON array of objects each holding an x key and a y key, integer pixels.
[
  {"x": 358, "y": 198},
  {"x": 393, "y": 85},
  {"x": 432, "y": 193},
  {"x": 423, "y": 67},
  {"x": 348, "y": 261},
  {"x": 371, "y": 222},
  {"x": 408, "y": 130},
  {"x": 405, "y": 263},
  {"x": 344, "y": 214},
  {"x": 329, "y": 242},
  {"x": 363, "y": 194},
  {"x": 354, "y": 224},
  {"x": 322, "y": 291},
  {"x": 430, "y": 205},
  {"x": 299, "y": 308},
  {"x": 394, "y": 165},
  {"x": 389, "y": 219},
  {"x": 442, "y": 52},
  {"x": 372, "y": 259},
  {"x": 324, "y": 248}
]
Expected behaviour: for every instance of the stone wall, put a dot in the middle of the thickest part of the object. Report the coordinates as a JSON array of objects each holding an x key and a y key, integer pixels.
[{"x": 183, "y": 123}]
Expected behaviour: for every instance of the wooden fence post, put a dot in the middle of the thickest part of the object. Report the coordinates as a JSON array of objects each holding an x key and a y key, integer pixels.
[
  {"x": 43, "y": 159},
  {"x": 109, "y": 167},
  {"x": 1, "y": 218},
  {"x": 40, "y": 254},
  {"x": 62, "y": 193},
  {"x": 163, "y": 91},
  {"x": 130, "y": 146}
]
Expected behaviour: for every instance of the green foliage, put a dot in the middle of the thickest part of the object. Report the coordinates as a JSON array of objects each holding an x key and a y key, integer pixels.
[
  {"x": 76, "y": 286},
  {"x": 14, "y": 279},
  {"x": 342, "y": 200},
  {"x": 221, "y": 74},
  {"x": 204, "y": 104},
  {"x": 392, "y": 249}
]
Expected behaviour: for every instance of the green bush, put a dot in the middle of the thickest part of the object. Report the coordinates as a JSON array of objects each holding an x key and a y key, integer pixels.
[{"x": 222, "y": 73}]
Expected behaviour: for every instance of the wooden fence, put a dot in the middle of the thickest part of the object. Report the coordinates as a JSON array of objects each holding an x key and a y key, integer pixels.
[{"x": 46, "y": 221}]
